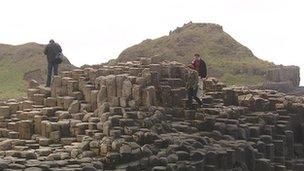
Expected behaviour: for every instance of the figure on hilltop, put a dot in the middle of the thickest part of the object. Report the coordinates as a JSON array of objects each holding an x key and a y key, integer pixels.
[
  {"x": 53, "y": 52},
  {"x": 192, "y": 87},
  {"x": 200, "y": 66}
]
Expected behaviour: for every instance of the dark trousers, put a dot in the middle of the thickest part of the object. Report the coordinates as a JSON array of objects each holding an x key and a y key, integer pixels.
[
  {"x": 52, "y": 68},
  {"x": 192, "y": 95}
]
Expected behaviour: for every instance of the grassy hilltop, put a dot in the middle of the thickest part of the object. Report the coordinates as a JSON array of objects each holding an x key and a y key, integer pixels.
[
  {"x": 15, "y": 62},
  {"x": 227, "y": 59}
]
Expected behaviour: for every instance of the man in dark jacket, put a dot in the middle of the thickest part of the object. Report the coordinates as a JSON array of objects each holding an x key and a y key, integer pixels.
[
  {"x": 51, "y": 51},
  {"x": 200, "y": 66}
]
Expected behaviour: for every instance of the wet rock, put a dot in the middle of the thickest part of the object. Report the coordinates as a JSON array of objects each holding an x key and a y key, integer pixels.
[
  {"x": 159, "y": 168},
  {"x": 33, "y": 169},
  {"x": 3, "y": 165},
  {"x": 6, "y": 145},
  {"x": 89, "y": 168}
]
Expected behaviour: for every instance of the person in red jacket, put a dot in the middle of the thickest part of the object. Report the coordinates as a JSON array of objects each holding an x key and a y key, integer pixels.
[{"x": 200, "y": 66}]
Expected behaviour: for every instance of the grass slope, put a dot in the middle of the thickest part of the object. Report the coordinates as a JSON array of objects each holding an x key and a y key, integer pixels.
[
  {"x": 227, "y": 59},
  {"x": 15, "y": 61}
]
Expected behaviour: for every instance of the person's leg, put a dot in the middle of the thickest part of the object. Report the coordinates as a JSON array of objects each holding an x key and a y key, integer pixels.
[
  {"x": 200, "y": 92},
  {"x": 199, "y": 102},
  {"x": 55, "y": 69},
  {"x": 49, "y": 74},
  {"x": 190, "y": 98},
  {"x": 196, "y": 98}
]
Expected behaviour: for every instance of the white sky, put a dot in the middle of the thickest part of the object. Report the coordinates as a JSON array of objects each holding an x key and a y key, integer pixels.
[{"x": 94, "y": 31}]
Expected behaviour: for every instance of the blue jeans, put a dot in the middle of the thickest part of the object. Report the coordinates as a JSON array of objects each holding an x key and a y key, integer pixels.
[{"x": 52, "y": 68}]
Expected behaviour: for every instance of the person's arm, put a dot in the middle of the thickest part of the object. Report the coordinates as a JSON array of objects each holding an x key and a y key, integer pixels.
[
  {"x": 59, "y": 47},
  {"x": 193, "y": 64},
  {"x": 204, "y": 72},
  {"x": 187, "y": 81},
  {"x": 46, "y": 50}
]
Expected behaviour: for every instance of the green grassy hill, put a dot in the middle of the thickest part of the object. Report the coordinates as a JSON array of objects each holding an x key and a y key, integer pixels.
[
  {"x": 16, "y": 61},
  {"x": 227, "y": 59}
]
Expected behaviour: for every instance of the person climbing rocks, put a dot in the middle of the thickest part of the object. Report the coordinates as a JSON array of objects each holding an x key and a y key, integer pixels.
[
  {"x": 52, "y": 51},
  {"x": 200, "y": 66},
  {"x": 192, "y": 87}
]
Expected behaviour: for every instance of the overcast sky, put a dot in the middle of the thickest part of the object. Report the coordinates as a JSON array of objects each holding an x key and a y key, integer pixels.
[{"x": 94, "y": 31}]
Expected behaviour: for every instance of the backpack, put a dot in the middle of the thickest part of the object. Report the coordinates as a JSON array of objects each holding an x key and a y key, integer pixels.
[{"x": 59, "y": 58}]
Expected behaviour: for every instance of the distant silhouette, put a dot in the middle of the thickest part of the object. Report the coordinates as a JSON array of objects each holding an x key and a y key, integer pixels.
[{"x": 52, "y": 51}]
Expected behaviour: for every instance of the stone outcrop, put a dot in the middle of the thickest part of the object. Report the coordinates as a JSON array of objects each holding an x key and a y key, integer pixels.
[
  {"x": 132, "y": 117},
  {"x": 282, "y": 78}
]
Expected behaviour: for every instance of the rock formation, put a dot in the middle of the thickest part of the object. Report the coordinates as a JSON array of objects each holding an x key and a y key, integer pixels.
[
  {"x": 283, "y": 78},
  {"x": 132, "y": 117}
]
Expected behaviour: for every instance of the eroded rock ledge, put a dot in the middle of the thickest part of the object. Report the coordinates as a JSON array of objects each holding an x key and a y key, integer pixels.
[{"x": 283, "y": 78}]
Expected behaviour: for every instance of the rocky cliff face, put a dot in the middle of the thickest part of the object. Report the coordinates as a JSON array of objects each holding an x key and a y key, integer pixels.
[
  {"x": 284, "y": 74},
  {"x": 282, "y": 78}
]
